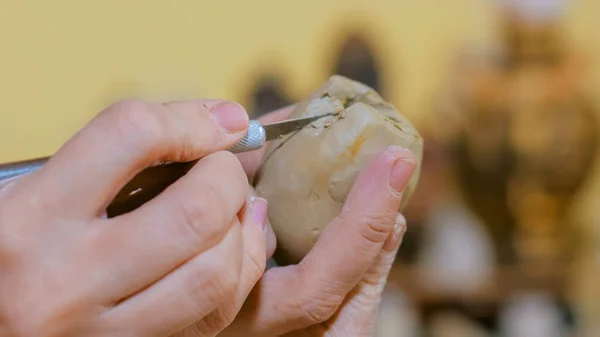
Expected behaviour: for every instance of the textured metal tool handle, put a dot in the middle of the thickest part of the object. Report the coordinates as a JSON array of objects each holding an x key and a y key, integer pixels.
[
  {"x": 255, "y": 139},
  {"x": 148, "y": 183}
]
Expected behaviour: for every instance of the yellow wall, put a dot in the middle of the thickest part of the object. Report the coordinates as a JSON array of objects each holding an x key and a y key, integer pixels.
[{"x": 64, "y": 60}]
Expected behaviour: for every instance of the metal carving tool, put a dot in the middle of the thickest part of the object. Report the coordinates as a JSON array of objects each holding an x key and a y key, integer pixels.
[
  {"x": 153, "y": 180},
  {"x": 258, "y": 134}
]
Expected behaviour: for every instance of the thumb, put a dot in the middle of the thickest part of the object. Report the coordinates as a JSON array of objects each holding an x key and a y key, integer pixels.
[{"x": 358, "y": 314}]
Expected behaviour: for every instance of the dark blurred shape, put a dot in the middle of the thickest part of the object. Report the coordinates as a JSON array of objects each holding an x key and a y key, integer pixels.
[
  {"x": 485, "y": 163},
  {"x": 532, "y": 43},
  {"x": 480, "y": 314},
  {"x": 530, "y": 31},
  {"x": 356, "y": 60},
  {"x": 268, "y": 95}
]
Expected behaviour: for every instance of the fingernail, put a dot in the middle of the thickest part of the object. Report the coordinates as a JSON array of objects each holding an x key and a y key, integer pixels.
[
  {"x": 402, "y": 171},
  {"x": 229, "y": 115},
  {"x": 258, "y": 212},
  {"x": 393, "y": 242}
]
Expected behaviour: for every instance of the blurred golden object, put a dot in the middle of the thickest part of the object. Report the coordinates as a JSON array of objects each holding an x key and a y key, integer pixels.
[
  {"x": 527, "y": 143},
  {"x": 520, "y": 134}
]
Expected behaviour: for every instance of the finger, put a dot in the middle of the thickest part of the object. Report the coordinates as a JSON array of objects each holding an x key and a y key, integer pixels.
[
  {"x": 357, "y": 235},
  {"x": 270, "y": 234},
  {"x": 186, "y": 295},
  {"x": 271, "y": 240},
  {"x": 294, "y": 297},
  {"x": 252, "y": 160},
  {"x": 253, "y": 267},
  {"x": 359, "y": 310},
  {"x": 357, "y": 315},
  {"x": 255, "y": 247},
  {"x": 95, "y": 164},
  {"x": 189, "y": 217}
]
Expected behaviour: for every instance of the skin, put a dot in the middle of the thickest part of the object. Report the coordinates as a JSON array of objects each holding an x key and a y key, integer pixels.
[{"x": 191, "y": 262}]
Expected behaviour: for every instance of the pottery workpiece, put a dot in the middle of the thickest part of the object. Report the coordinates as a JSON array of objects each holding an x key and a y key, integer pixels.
[{"x": 307, "y": 175}]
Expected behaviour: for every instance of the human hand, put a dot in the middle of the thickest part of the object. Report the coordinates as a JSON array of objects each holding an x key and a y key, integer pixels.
[
  {"x": 336, "y": 289},
  {"x": 184, "y": 261}
]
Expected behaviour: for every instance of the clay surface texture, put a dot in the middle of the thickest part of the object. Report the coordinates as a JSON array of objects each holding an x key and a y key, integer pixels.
[{"x": 307, "y": 175}]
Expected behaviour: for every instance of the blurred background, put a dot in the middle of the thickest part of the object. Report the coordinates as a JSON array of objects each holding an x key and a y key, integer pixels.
[{"x": 504, "y": 232}]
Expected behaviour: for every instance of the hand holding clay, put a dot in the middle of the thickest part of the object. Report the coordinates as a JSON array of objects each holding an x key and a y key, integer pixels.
[
  {"x": 184, "y": 263},
  {"x": 336, "y": 287}
]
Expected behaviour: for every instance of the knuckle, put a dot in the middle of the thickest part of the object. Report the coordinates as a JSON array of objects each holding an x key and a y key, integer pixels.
[
  {"x": 208, "y": 216},
  {"x": 228, "y": 160},
  {"x": 255, "y": 266},
  {"x": 237, "y": 176},
  {"x": 228, "y": 166},
  {"x": 320, "y": 307},
  {"x": 129, "y": 104},
  {"x": 230, "y": 171},
  {"x": 229, "y": 280},
  {"x": 219, "y": 319},
  {"x": 206, "y": 219},
  {"x": 224, "y": 283},
  {"x": 375, "y": 228},
  {"x": 377, "y": 277},
  {"x": 195, "y": 330},
  {"x": 135, "y": 123},
  {"x": 211, "y": 286}
]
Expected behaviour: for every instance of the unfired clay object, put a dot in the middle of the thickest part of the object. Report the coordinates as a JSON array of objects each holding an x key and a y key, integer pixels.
[{"x": 307, "y": 175}]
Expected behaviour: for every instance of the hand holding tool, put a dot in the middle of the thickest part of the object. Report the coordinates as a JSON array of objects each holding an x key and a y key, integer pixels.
[{"x": 153, "y": 180}]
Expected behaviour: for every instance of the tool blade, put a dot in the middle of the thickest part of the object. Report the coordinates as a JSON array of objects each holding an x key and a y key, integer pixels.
[{"x": 279, "y": 129}]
